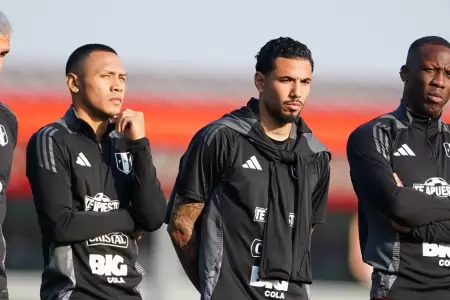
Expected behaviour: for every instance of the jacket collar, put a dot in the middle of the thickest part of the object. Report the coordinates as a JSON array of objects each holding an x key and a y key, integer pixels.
[
  {"x": 419, "y": 121},
  {"x": 79, "y": 125}
]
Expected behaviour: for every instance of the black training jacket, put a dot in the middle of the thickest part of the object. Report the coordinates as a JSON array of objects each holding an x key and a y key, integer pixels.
[
  {"x": 8, "y": 141},
  {"x": 414, "y": 265},
  {"x": 90, "y": 197},
  {"x": 223, "y": 169}
]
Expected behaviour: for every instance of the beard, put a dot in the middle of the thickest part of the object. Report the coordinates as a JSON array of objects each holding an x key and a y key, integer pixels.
[{"x": 279, "y": 116}]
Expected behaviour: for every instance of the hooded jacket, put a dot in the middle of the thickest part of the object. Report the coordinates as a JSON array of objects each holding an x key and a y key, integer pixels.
[{"x": 261, "y": 203}]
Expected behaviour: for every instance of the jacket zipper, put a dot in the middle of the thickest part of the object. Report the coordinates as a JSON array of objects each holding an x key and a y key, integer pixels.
[
  {"x": 428, "y": 140},
  {"x": 102, "y": 179}
]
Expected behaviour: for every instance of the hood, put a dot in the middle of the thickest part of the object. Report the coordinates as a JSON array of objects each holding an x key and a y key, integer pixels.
[{"x": 245, "y": 121}]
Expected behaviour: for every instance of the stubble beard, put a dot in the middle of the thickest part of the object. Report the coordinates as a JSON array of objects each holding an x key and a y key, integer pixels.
[{"x": 279, "y": 117}]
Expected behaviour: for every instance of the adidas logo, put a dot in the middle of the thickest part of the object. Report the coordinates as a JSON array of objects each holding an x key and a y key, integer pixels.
[
  {"x": 82, "y": 160},
  {"x": 404, "y": 150},
  {"x": 252, "y": 163}
]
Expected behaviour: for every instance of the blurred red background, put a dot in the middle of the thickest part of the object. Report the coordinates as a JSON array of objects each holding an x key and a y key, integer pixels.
[{"x": 172, "y": 123}]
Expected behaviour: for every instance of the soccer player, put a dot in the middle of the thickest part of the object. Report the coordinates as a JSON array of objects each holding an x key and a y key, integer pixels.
[
  {"x": 251, "y": 187},
  {"x": 8, "y": 141},
  {"x": 94, "y": 185},
  {"x": 399, "y": 166}
]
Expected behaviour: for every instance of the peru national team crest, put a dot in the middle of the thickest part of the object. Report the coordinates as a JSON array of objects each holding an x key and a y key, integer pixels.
[
  {"x": 3, "y": 136},
  {"x": 447, "y": 148},
  {"x": 124, "y": 162}
]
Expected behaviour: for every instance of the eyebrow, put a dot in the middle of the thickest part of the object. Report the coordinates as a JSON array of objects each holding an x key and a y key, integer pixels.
[
  {"x": 293, "y": 78},
  {"x": 113, "y": 72}
]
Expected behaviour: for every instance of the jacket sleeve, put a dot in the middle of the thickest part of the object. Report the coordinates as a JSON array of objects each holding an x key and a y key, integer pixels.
[
  {"x": 8, "y": 141},
  {"x": 49, "y": 176},
  {"x": 372, "y": 178},
  {"x": 435, "y": 232},
  {"x": 320, "y": 194},
  {"x": 148, "y": 202},
  {"x": 202, "y": 165}
]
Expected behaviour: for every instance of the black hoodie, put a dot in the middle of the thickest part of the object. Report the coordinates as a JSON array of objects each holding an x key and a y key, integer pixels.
[{"x": 255, "y": 236}]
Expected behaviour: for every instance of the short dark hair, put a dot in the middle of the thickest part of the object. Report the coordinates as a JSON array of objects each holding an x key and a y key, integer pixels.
[
  {"x": 75, "y": 62},
  {"x": 281, "y": 47},
  {"x": 426, "y": 40}
]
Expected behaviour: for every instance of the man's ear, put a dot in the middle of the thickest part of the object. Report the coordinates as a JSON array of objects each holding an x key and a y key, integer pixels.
[
  {"x": 72, "y": 83},
  {"x": 259, "y": 81},
  {"x": 404, "y": 73}
]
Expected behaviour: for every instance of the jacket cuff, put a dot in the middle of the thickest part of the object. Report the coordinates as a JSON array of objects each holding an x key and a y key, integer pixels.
[{"x": 139, "y": 145}]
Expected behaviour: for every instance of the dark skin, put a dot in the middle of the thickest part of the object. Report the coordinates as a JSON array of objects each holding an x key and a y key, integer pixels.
[
  {"x": 427, "y": 80},
  {"x": 427, "y": 87}
]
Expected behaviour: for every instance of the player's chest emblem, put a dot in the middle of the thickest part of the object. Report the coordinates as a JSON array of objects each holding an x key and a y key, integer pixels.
[
  {"x": 3, "y": 136},
  {"x": 447, "y": 148},
  {"x": 124, "y": 162}
]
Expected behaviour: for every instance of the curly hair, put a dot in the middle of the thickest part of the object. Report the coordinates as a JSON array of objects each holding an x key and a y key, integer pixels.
[{"x": 281, "y": 47}]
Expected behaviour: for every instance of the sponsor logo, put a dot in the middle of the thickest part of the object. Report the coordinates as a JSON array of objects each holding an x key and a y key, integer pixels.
[
  {"x": 291, "y": 219},
  {"x": 100, "y": 203},
  {"x": 110, "y": 266},
  {"x": 435, "y": 186},
  {"x": 260, "y": 214},
  {"x": 114, "y": 239},
  {"x": 440, "y": 251},
  {"x": 273, "y": 288},
  {"x": 256, "y": 248}
]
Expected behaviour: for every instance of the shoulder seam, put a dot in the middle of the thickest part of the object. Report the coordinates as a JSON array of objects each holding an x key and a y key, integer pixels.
[
  {"x": 211, "y": 131},
  {"x": 9, "y": 114},
  {"x": 314, "y": 144},
  {"x": 381, "y": 139},
  {"x": 44, "y": 148},
  {"x": 63, "y": 124},
  {"x": 8, "y": 109}
]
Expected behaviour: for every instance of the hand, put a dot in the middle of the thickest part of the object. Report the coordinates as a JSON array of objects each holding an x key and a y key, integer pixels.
[
  {"x": 131, "y": 123},
  {"x": 397, "y": 180}
]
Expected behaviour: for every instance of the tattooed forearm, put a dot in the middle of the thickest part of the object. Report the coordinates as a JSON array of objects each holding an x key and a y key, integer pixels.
[
  {"x": 182, "y": 231},
  {"x": 183, "y": 221}
]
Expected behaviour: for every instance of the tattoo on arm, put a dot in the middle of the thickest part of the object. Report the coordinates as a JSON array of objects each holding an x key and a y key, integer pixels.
[
  {"x": 183, "y": 218},
  {"x": 182, "y": 230}
]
